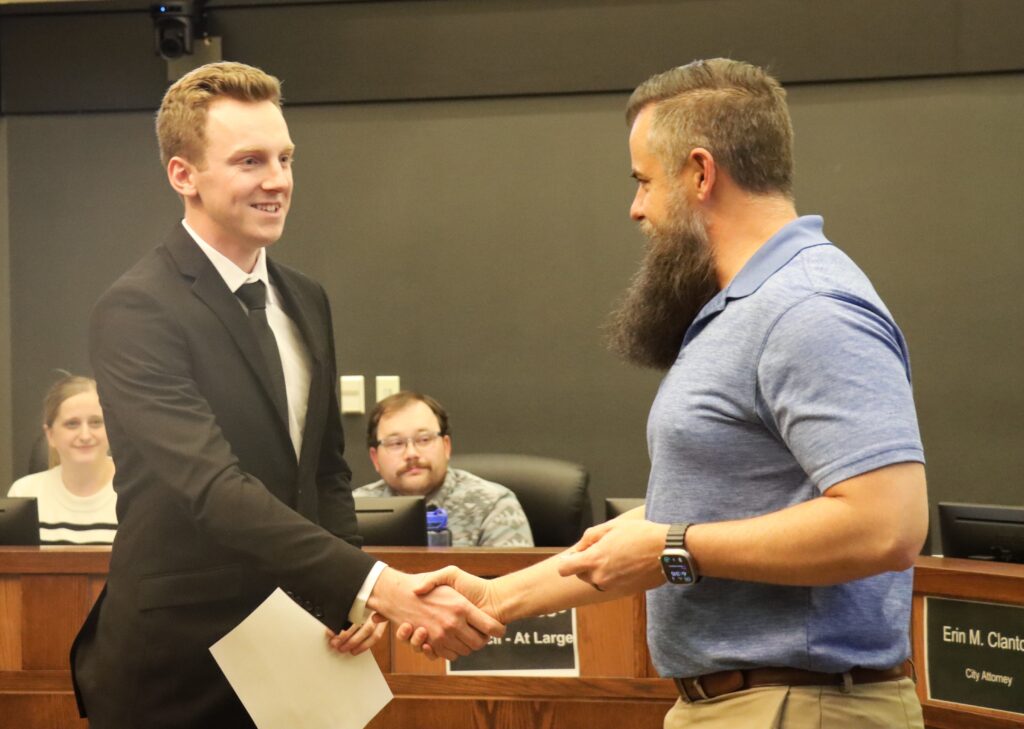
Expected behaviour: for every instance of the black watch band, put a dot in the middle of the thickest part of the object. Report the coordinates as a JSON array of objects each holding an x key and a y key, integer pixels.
[
  {"x": 676, "y": 562},
  {"x": 677, "y": 536}
]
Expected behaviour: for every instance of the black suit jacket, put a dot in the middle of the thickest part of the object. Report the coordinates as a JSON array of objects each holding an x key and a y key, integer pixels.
[{"x": 214, "y": 509}]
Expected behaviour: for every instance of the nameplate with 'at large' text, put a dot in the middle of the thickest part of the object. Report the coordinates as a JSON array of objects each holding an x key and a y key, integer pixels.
[{"x": 542, "y": 646}]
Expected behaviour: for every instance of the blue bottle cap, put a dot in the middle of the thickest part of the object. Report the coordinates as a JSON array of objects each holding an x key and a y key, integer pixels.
[{"x": 437, "y": 518}]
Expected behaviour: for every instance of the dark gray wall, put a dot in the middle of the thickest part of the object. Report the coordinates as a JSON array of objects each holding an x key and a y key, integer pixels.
[
  {"x": 474, "y": 246},
  {"x": 5, "y": 319},
  {"x": 74, "y": 56},
  {"x": 920, "y": 182}
]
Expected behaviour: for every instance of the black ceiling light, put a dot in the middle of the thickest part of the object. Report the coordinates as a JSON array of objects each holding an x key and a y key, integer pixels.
[{"x": 176, "y": 24}]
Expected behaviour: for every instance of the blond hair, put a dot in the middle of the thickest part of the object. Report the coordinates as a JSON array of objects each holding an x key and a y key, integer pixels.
[
  {"x": 66, "y": 387},
  {"x": 181, "y": 120}
]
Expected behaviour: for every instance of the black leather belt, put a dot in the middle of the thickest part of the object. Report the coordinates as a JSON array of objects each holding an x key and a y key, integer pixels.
[{"x": 710, "y": 685}]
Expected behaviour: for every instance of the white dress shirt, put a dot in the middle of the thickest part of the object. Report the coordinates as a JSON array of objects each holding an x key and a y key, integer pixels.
[
  {"x": 296, "y": 363},
  {"x": 295, "y": 360}
]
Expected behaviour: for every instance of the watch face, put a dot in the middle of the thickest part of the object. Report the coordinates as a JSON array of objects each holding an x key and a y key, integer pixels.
[{"x": 677, "y": 569}]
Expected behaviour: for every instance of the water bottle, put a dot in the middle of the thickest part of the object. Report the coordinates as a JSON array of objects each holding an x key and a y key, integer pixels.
[{"x": 438, "y": 533}]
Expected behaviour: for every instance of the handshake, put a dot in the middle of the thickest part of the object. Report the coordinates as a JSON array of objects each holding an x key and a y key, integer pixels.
[
  {"x": 451, "y": 610},
  {"x": 451, "y": 613}
]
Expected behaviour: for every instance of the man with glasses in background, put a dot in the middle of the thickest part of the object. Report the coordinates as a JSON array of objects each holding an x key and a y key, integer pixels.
[{"x": 410, "y": 444}]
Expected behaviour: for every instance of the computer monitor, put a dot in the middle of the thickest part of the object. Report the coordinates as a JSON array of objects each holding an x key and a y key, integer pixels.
[
  {"x": 617, "y": 506},
  {"x": 392, "y": 521},
  {"x": 982, "y": 531},
  {"x": 19, "y": 521}
]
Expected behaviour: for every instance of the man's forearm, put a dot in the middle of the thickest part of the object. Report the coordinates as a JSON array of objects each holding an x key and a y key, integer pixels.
[
  {"x": 539, "y": 589},
  {"x": 869, "y": 524}
]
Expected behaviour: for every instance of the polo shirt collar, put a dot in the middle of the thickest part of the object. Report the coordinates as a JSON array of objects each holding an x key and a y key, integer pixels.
[
  {"x": 780, "y": 249},
  {"x": 804, "y": 232}
]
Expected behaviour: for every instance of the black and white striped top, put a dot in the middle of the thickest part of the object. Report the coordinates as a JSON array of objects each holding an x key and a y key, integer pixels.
[{"x": 65, "y": 518}]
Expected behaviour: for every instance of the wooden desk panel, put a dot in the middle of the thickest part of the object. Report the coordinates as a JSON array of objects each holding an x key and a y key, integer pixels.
[
  {"x": 407, "y": 713},
  {"x": 45, "y": 594},
  {"x": 10, "y": 622},
  {"x": 53, "y": 710},
  {"x": 962, "y": 579},
  {"x": 53, "y": 608}
]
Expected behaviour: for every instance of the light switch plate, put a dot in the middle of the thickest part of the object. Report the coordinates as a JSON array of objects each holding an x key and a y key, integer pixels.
[
  {"x": 353, "y": 394},
  {"x": 387, "y": 385}
]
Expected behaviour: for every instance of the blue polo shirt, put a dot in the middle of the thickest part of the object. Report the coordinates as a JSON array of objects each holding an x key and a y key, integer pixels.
[{"x": 790, "y": 380}]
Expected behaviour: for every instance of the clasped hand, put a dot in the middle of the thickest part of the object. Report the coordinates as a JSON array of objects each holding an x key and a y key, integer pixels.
[
  {"x": 619, "y": 556},
  {"x": 451, "y": 613},
  {"x": 447, "y": 621}
]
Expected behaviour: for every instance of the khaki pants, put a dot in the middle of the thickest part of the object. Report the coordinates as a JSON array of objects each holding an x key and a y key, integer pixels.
[{"x": 883, "y": 705}]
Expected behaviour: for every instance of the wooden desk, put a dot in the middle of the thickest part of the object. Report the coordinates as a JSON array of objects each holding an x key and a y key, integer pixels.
[
  {"x": 617, "y": 686},
  {"x": 45, "y": 594},
  {"x": 966, "y": 580}
]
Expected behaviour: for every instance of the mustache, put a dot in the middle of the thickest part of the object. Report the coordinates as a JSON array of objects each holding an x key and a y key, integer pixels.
[{"x": 411, "y": 465}]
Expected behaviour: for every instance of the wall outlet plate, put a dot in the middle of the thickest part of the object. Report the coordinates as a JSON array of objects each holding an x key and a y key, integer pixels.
[
  {"x": 387, "y": 385},
  {"x": 353, "y": 394}
]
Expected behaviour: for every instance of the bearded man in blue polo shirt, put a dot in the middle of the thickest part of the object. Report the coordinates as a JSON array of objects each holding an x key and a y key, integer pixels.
[{"x": 786, "y": 500}]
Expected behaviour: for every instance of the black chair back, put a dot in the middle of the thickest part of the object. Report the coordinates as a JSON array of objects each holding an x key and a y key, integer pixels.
[
  {"x": 553, "y": 493},
  {"x": 618, "y": 505},
  {"x": 39, "y": 458}
]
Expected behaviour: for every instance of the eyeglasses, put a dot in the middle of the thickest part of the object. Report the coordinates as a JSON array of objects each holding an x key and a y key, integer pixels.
[{"x": 396, "y": 444}]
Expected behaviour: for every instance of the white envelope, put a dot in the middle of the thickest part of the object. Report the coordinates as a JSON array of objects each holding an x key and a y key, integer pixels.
[{"x": 279, "y": 663}]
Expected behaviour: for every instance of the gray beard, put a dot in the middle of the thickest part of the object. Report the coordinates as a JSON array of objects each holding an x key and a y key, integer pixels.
[{"x": 675, "y": 280}]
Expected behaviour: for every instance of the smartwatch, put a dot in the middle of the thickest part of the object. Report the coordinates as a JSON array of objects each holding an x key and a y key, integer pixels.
[{"x": 677, "y": 564}]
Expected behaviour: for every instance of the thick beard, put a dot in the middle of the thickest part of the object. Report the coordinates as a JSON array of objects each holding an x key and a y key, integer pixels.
[{"x": 676, "y": 279}]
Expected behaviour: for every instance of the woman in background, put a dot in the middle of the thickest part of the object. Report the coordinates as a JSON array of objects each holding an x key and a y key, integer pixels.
[{"x": 76, "y": 496}]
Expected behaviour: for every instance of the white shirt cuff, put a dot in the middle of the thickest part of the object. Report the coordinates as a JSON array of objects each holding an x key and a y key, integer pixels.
[{"x": 358, "y": 613}]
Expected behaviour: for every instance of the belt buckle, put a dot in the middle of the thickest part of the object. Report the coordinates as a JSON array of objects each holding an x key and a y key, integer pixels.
[{"x": 698, "y": 686}]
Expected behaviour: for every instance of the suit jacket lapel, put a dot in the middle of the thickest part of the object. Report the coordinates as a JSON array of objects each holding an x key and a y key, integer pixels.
[
  {"x": 299, "y": 310},
  {"x": 209, "y": 286}
]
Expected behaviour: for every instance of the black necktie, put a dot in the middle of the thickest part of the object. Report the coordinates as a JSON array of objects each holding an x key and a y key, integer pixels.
[{"x": 254, "y": 296}]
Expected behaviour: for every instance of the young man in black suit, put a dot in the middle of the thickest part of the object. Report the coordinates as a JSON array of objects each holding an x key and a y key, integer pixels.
[{"x": 217, "y": 376}]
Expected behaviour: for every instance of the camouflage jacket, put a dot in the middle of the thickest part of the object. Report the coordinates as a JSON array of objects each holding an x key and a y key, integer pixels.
[{"x": 480, "y": 513}]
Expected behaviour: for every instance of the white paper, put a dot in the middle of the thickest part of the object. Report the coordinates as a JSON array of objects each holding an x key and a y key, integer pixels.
[{"x": 279, "y": 663}]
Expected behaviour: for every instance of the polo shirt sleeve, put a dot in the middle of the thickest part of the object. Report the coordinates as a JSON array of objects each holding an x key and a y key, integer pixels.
[{"x": 833, "y": 383}]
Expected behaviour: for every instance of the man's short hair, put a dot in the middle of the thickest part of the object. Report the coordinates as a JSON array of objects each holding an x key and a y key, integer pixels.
[
  {"x": 734, "y": 110},
  {"x": 181, "y": 121},
  {"x": 398, "y": 401}
]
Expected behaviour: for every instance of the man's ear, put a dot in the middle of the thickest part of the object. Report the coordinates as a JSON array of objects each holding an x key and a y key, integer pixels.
[
  {"x": 373, "y": 457},
  {"x": 701, "y": 165},
  {"x": 181, "y": 175}
]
